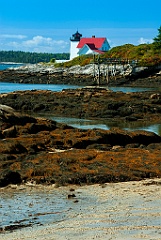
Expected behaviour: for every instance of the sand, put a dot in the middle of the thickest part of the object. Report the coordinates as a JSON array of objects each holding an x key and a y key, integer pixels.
[{"x": 129, "y": 210}]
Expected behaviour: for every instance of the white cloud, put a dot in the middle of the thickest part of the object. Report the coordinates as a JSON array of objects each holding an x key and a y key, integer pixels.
[
  {"x": 13, "y": 36},
  {"x": 36, "y": 44},
  {"x": 144, "y": 40},
  {"x": 38, "y": 40},
  {"x": 43, "y": 44}
]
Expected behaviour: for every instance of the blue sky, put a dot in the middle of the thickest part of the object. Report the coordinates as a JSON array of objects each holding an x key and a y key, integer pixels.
[{"x": 47, "y": 25}]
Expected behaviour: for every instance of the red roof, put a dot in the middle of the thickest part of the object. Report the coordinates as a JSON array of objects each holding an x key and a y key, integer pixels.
[{"x": 97, "y": 42}]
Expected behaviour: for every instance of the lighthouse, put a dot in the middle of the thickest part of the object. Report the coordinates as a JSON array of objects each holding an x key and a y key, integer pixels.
[{"x": 74, "y": 40}]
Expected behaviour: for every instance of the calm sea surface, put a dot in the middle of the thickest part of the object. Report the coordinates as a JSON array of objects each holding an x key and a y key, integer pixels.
[{"x": 4, "y": 66}]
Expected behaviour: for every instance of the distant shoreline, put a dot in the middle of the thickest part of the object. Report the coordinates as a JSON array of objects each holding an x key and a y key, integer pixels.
[{"x": 11, "y": 63}]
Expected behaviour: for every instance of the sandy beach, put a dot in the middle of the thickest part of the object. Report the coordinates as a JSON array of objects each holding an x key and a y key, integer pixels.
[{"x": 129, "y": 210}]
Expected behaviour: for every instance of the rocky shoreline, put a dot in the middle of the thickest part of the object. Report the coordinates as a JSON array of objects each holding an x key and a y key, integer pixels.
[
  {"x": 125, "y": 75},
  {"x": 47, "y": 152},
  {"x": 89, "y": 103}
]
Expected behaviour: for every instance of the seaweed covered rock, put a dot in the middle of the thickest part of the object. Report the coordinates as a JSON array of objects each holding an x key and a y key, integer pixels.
[
  {"x": 45, "y": 151},
  {"x": 10, "y": 177}
]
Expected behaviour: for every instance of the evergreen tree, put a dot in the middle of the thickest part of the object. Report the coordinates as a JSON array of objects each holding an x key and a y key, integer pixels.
[
  {"x": 157, "y": 40},
  {"x": 30, "y": 57}
]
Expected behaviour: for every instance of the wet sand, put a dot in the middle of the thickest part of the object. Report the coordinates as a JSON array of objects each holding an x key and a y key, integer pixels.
[{"x": 129, "y": 210}]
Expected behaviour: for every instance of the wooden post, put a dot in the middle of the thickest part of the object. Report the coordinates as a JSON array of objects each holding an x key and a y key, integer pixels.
[
  {"x": 98, "y": 61},
  {"x": 107, "y": 73},
  {"x": 94, "y": 70}
]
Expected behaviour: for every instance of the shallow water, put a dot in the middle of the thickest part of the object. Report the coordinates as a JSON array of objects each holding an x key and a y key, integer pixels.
[
  {"x": 37, "y": 205},
  {"x": 4, "y": 66},
  {"x": 11, "y": 87},
  {"x": 130, "y": 210},
  {"x": 106, "y": 125},
  {"x": 33, "y": 206}
]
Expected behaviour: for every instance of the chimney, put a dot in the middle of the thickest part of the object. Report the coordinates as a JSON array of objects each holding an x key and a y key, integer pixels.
[{"x": 93, "y": 36}]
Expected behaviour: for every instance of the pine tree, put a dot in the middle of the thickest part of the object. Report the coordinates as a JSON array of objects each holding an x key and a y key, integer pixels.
[{"x": 157, "y": 40}]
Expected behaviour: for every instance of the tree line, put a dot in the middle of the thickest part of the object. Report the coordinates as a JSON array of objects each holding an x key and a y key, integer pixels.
[{"x": 30, "y": 57}]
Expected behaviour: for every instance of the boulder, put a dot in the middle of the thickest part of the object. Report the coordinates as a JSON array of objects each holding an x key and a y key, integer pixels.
[
  {"x": 10, "y": 132},
  {"x": 10, "y": 116},
  {"x": 10, "y": 177},
  {"x": 6, "y": 109}
]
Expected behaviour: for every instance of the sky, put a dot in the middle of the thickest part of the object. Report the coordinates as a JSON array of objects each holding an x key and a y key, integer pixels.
[{"x": 47, "y": 25}]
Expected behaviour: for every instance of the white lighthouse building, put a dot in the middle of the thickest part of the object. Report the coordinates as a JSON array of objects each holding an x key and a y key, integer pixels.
[{"x": 74, "y": 40}]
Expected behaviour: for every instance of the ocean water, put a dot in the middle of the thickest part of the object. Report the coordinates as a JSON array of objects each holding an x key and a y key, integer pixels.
[
  {"x": 4, "y": 66},
  {"x": 12, "y": 87}
]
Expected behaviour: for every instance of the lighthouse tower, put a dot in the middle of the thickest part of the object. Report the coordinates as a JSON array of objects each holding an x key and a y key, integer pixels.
[{"x": 74, "y": 40}]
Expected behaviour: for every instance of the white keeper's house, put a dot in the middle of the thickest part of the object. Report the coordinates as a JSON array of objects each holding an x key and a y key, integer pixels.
[{"x": 81, "y": 46}]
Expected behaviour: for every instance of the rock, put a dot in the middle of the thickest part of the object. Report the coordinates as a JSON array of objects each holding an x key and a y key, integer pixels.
[
  {"x": 10, "y": 178},
  {"x": 6, "y": 109},
  {"x": 159, "y": 73},
  {"x": 131, "y": 118},
  {"x": 10, "y": 132},
  {"x": 155, "y": 96},
  {"x": 12, "y": 117},
  {"x": 48, "y": 152},
  {"x": 71, "y": 189},
  {"x": 84, "y": 103},
  {"x": 35, "y": 128},
  {"x": 100, "y": 147},
  {"x": 71, "y": 196},
  {"x": 133, "y": 145},
  {"x": 13, "y": 147},
  {"x": 116, "y": 147},
  {"x": 144, "y": 137},
  {"x": 154, "y": 146},
  {"x": 1, "y": 135},
  {"x": 38, "y": 107}
]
